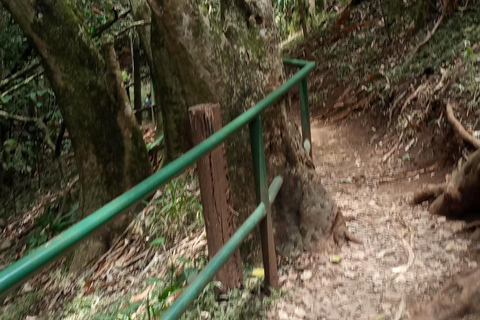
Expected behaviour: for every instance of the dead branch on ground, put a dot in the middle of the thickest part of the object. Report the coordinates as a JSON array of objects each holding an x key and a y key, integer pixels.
[{"x": 430, "y": 33}]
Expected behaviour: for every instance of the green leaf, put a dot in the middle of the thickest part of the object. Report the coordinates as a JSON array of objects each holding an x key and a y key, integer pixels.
[
  {"x": 39, "y": 104},
  {"x": 6, "y": 99},
  {"x": 42, "y": 92},
  {"x": 184, "y": 260},
  {"x": 405, "y": 157},
  {"x": 157, "y": 241},
  {"x": 154, "y": 280},
  {"x": 133, "y": 308},
  {"x": 33, "y": 96},
  {"x": 10, "y": 144}
]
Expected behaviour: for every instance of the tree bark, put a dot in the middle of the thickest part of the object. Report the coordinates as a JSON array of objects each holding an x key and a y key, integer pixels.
[
  {"x": 234, "y": 60},
  {"x": 303, "y": 17},
  {"x": 109, "y": 151},
  {"x": 137, "y": 81}
]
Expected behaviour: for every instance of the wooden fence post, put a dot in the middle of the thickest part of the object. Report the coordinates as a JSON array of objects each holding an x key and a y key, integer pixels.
[{"x": 220, "y": 222}]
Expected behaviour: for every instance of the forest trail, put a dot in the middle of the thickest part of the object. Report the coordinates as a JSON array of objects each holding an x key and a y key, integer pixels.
[{"x": 407, "y": 254}]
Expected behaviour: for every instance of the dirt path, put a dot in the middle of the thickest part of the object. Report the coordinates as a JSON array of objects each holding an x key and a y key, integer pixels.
[{"x": 407, "y": 255}]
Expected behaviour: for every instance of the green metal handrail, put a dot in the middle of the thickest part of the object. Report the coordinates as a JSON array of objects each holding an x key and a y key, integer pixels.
[
  {"x": 33, "y": 262},
  {"x": 181, "y": 304}
]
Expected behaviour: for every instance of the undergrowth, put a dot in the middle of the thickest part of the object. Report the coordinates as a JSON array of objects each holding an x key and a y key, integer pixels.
[
  {"x": 455, "y": 37},
  {"x": 246, "y": 303},
  {"x": 177, "y": 212}
]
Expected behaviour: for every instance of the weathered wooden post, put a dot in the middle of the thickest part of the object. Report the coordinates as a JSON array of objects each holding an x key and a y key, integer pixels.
[{"x": 220, "y": 222}]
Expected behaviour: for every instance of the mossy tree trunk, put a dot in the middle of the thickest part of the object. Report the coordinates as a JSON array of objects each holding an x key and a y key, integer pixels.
[
  {"x": 109, "y": 151},
  {"x": 234, "y": 59}
]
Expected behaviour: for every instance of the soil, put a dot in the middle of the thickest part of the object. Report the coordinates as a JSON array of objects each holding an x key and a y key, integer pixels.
[{"x": 407, "y": 254}]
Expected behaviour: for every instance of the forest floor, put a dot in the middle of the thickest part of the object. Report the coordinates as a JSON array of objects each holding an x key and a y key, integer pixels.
[
  {"x": 407, "y": 254},
  {"x": 378, "y": 134}
]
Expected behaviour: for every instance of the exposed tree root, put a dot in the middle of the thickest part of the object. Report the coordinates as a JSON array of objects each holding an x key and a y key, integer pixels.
[
  {"x": 361, "y": 104},
  {"x": 429, "y": 192},
  {"x": 419, "y": 89},
  {"x": 459, "y": 197},
  {"x": 340, "y": 232},
  {"x": 395, "y": 147},
  {"x": 457, "y": 126},
  {"x": 456, "y": 299}
]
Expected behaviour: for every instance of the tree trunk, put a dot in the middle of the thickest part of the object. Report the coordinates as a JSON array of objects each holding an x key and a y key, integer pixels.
[
  {"x": 311, "y": 6},
  {"x": 303, "y": 18},
  {"x": 460, "y": 198},
  {"x": 141, "y": 11},
  {"x": 235, "y": 60},
  {"x": 109, "y": 151},
  {"x": 137, "y": 81}
]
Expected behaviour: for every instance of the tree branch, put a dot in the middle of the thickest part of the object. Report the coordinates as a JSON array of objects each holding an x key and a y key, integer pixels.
[
  {"x": 107, "y": 25},
  {"x": 5, "y": 82},
  {"x": 18, "y": 86},
  {"x": 133, "y": 25},
  {"x": 37, "y": 121}
]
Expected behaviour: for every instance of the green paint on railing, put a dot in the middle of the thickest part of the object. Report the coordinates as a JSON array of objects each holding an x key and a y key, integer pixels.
[
  {"x": 181, "y": 304},
  {"x": 33, "y": 262},
  {"x": 155, "y": 143}
]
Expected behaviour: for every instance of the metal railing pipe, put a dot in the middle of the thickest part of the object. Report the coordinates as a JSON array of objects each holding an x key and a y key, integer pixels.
[{"x": 180, "y": 305}]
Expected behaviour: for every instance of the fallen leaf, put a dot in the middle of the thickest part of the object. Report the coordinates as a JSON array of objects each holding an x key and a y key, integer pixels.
[
  {"x": 141, "y": 296},
  {"x": 335, "y": 259},
  {"x": 258, "y": 273}
]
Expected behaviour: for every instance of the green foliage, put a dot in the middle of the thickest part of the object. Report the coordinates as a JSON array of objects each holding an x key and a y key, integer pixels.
[
  {"x": 18, "y": 156},
  {"x": 49, "y": 225},
  {"x": 178, "y": 210},
  {"x": 245, "y": 303},
  {"x": 21, "y": 307},
  {"x": 448, "y": 42},
  {"x": 13, "y": 43}
]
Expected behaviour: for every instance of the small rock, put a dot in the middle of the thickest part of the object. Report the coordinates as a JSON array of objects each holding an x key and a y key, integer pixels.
[
  {"x": 299, "y": 312},
  {"x": 5, "y": 245},
  {"x": 346, "y": 180},
  {"x": 350, "y": 274},
  {"x": 401, "y": 279},
  {"x": 306, "y": 275},
  {"x": 282, "y": 315}
]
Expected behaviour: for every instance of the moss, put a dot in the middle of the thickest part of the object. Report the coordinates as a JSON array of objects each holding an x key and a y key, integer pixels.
[{"x": 254, "y": 44}]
